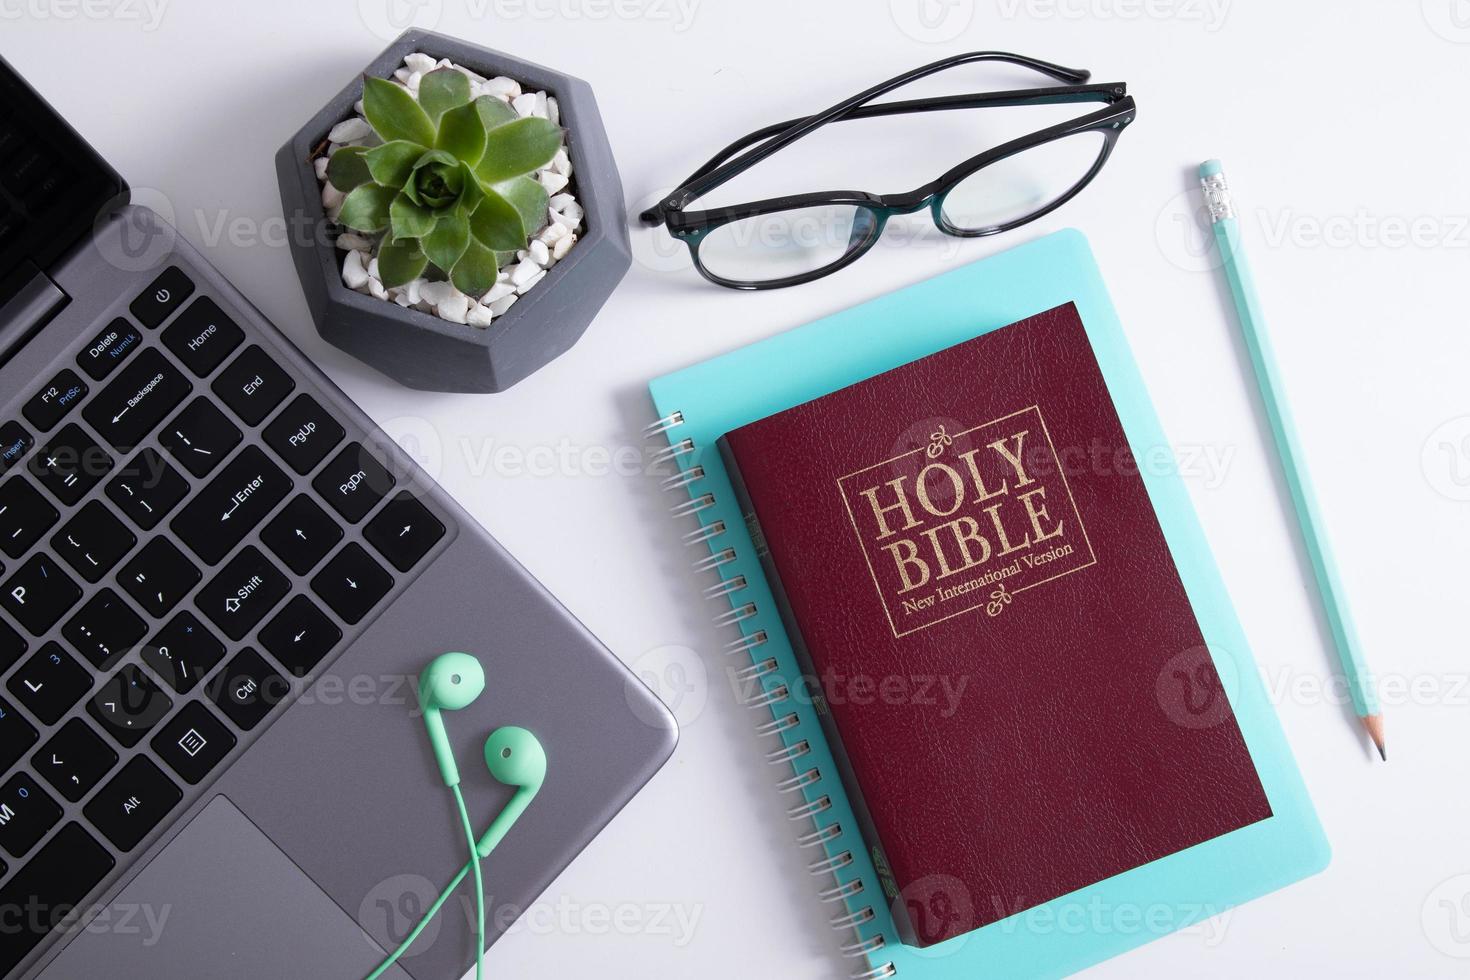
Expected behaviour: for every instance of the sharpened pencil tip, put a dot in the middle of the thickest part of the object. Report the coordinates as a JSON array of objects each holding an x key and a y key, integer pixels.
[{"x": 1374, "y": 726}]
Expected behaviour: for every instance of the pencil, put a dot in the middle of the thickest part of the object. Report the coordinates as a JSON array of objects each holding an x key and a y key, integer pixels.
[{"x": 1278, "y": 414}]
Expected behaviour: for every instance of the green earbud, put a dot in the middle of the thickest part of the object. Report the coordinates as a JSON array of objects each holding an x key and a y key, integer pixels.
[
  {"x": 515, "y": 758},
  {"x": 452, "y": 681}
]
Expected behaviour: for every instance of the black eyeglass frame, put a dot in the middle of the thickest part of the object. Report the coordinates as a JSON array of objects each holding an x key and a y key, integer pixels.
[{"x": 692, "y": 226}]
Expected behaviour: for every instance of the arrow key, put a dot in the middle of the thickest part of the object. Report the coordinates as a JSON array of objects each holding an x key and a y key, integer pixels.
[
  {"x": 352, "y": 583},
  {"x": 300, "y": 635},
  {"x": 301, "y": 534},
  {"x": 404, "y": 531},
  {"x": 74, "y": 759}
]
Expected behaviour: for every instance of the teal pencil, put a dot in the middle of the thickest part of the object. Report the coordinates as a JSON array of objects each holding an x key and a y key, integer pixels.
[{"x": 1278, "y": 414}]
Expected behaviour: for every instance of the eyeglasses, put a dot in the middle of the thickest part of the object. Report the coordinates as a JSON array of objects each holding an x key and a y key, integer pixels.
[{"x": 789, "y": 240}]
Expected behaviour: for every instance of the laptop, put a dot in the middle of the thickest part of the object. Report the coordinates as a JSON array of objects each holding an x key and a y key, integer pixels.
[{"x": 218, "y": 583}]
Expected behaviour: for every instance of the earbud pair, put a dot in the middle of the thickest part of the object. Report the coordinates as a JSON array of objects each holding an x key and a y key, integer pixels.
[{"x": 513, "y": 755}]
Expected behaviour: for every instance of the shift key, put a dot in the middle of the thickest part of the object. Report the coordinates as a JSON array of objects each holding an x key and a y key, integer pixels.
[
  {"x": 137, "y": 399},
  {"x": 231, "y": 505}
]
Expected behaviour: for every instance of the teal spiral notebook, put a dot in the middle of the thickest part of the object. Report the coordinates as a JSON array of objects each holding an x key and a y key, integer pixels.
[{"x": 699, "y": 404}]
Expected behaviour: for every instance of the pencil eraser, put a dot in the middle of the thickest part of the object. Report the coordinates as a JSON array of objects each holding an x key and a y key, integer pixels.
[{"x": 1209, "y": 168}]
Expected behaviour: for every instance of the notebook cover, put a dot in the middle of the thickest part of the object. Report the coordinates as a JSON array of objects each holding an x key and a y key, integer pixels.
[
  {"x": 970, "y": 569},
  {"x": 1092, "y": 923}
]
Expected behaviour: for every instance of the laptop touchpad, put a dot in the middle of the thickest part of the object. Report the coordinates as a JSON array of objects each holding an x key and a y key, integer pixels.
[{"x": 221, "y": 901}]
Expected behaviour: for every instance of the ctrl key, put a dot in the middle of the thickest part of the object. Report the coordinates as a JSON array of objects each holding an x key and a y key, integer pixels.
[
  {"x": 132, "y": 803},
  {"x": 46, "y": 890}
]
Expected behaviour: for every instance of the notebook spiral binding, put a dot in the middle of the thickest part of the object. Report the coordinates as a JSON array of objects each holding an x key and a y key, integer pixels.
[{"x": 771, "y": 696}]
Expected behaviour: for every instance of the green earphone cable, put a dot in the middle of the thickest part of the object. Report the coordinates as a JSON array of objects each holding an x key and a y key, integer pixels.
[
  {"x": 433, "y": 910},
  {"x": 469, "y": 836},
  {"x": 423, "y": 923}
]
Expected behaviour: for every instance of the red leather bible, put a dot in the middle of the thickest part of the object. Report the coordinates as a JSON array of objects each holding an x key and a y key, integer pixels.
[{"x": 998, "y": 641}]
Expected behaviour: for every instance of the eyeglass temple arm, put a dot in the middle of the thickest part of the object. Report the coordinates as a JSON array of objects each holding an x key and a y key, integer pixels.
[
  {"x": 705, "y": 179},
  {"x": 1038, "y": 96}
]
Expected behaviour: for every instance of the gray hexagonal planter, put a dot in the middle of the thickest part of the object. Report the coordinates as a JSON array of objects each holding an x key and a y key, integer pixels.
[{"x": 423, "y": 351}]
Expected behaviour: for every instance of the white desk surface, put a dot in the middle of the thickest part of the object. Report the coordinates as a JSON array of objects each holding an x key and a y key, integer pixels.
[{"x": 1342, "y": 127}]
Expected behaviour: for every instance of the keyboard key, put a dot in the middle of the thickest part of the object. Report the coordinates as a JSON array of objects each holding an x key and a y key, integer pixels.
[
  {"x": 52, "y": 883},
  {"x": 247, "y": 689},
  {"x": 353, "y": 482},
  {"x": 231, "y": 505},
  {"x": 183, "y": 652},
  {"x": 15, "y": 442},
  {"x": 93, "y": 541},
  {"x": 253, "y": 385},
  {"x": 12, "y": 645},
  {"x": 194, "y": 742},
  {"x": 70, "y": 464},
  {"x": 201, "y": 437},
  {"x": 299, "y": 636},
  {"x": 203, "y": 336},
  {"x": 25, "y": 515},
  {"x": 39, "y": 593},
  {"x": 135, "y": 401},
  {"x": 109, "y": 348},
  {"x": 162, "y": 297},
  {"x": 303, "y": 434},
  {"x": 74, "y": 759},
  {"x": 352, "y": 583},
  {"x": 129, "y": 705},
  {"x": 132, "y": 803},
  {"x": 158, "y": 576},
  {"x": 16, "y": 735},
  {"x": 404, "y": 531},
  {"x": 147, "y": 488},
  {"x": 26, "y": 813},
  {"x": 246, "y": 588},
  {"x": 104, "y": 629},
  {"x": 49, "y": 683},
  {"x": 301, "y": 534},
  {"x": 60, "y": 395}
]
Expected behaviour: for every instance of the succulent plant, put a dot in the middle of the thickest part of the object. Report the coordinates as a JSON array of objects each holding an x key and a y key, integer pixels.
[{"x": 448, "y": 187}]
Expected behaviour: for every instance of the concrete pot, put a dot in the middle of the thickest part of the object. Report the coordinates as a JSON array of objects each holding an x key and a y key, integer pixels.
[{"x": 421, "y": 350}]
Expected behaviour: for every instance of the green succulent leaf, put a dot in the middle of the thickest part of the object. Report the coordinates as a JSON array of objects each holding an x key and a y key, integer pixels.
[
  {"x": 443, "y": 89},
  {"x": 400, "y": 262},
  {"x": 462, "y": 134},
  {"x": 446, "y": 243},
  {"x": 475, "y": 271},
  {"x": 346, "y": 168},
  {"x": 496, "y": 224},
  {"x": 366, "y": 207},
  {"x": 393, "y": 113},
  {"x": 494, "y": 112},
  {"x": 518, "y": 148},
  {"x": 529, "y": 199},
  {"x": 436, "y": 181},
  {"x": 392, "y": 162},
  {"x": 408, "y": 219},
  {"x": 471, "y": 194}
]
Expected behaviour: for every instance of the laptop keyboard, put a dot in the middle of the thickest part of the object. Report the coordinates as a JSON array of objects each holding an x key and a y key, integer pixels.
[{"x": 285, "y": 533}]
